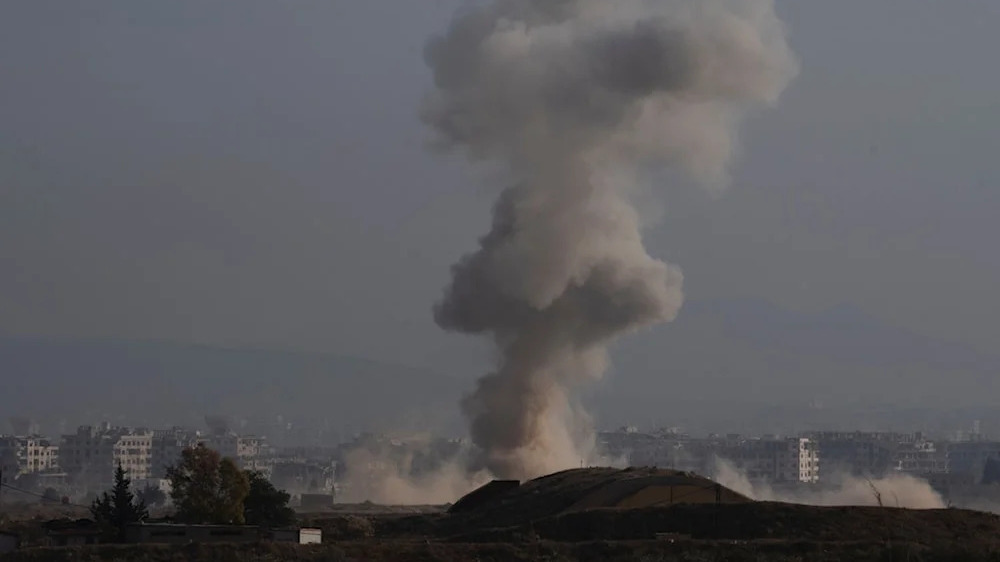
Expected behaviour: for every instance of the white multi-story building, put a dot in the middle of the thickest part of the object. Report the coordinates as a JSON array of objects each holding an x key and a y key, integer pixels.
[
  {"x": 133, "y": 452},
  {"x": 39, "y": 455},
  {"x": 27, "y": 455},
  {"x": 794, "y": 459}
]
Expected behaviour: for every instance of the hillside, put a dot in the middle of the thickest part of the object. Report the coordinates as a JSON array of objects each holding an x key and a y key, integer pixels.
[
  {"x": 749, "y": 364},
  {"x": 720, "y": 365},
  {"x": 160, "y": 384}
]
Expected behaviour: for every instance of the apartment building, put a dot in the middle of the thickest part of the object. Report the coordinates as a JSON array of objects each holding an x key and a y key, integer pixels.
[
  {"x": 969, "y": 457},
  {"x": 39, "y": 455},
  {"x": 857, "y": 453},
  {"x": 920, "y": 457},
  {"x": 795, "y": 459},
  {"x": 246, "y": 450},
  {"x": 91, "y": 455},
  {"x": 27, "y": 455},
  {"x": 133, "y": 452},
  {"x": 168, "y": 444}
]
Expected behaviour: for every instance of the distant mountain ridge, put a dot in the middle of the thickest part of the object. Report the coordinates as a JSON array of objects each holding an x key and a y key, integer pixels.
[
  {"x": 729, "y": 362},
  {"x": 844, "y": 332},
  {"x": 160, "y": 383},
  {"x": 720, "y": 364}
]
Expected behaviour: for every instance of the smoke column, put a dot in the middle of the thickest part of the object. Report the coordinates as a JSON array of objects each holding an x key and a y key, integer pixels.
[{"x": 574, "y": 98}]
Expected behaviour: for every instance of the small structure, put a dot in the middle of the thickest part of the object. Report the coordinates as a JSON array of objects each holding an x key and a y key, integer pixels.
[
  {"x": 9, "y": 542},
  {"x": 74, "y": 537},
  {"x": 170, "y": 533},
  {"x": 305, "y": 535},
  {"x": 67, "y": 532}
]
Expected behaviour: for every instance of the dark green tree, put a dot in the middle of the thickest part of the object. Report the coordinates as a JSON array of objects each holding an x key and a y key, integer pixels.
[
  {"x": 207, "y": 488},
  {"x": 152, "y": 496},
  {"x": 115, "y": 511},
  {"x": 266, "y": 505}
]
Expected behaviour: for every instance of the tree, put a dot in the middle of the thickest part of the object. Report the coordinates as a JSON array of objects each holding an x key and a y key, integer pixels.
[
  {"x": 117, "y": 510},
  {"x": 207, "y": 488},
  {"x": 266, "y": 505},
  {"x": 152, "y": 496}
]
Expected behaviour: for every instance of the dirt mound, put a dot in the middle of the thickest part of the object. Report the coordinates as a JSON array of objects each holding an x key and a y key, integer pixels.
[
  {"x": 769, "y": 521},
  {"x": 500, "y": 504},
  {"x": 649, "y": 504},
  {"x": 483, "y": 495}
]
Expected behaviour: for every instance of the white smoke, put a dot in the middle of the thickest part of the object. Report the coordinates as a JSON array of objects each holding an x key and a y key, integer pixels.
[
  {"x": 895, "y": 490},
  {"x": 573, "y": 98},
  {"x": 378, "y": 478},
  {"x": 406, "y": 469}
]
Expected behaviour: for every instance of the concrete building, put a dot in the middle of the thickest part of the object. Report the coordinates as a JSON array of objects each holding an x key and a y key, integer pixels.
[
  {"x": 877, "y": 454},
  {"x": 304, "y": 476},
  {"x": 40, "y": 455},
  {"x": 858, "y": 453},
  {"x": 306, "y": 535},
  {"x": 72, "y": 532},
  {"x": 88, "y": 455},
  {"x": 969, "y": 458},
  {"x": 168, "y": 444},
  {"x": 133, "y": 451},
  {"x": 27, "y": 455},
  {"x": 663, "y": 449},
  {"x": 795, "y": 459},
  {"x": 920, "y": 457},
  {"x": 91, "y": 455},
  {"x": 687, "y": 455},
  {"x": 246, "y": 450}
]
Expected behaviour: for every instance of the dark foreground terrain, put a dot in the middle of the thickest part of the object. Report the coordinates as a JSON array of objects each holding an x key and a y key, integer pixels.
[
  {"x": 750, "y": 532},
  {"x": 553, "y": 552},
  {"x": 598, "y": 515}
]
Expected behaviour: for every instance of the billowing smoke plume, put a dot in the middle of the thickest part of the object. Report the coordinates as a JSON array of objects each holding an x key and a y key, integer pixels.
[{"x": 574, "y": 98}]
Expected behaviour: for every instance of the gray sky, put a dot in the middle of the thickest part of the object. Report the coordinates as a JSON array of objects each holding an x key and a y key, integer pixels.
[{"x": 191, "y": 171}]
